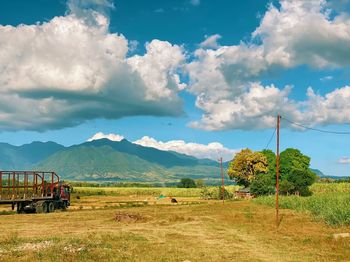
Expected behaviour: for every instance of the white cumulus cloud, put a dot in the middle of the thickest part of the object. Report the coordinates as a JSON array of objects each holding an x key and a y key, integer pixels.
[
  {"x": 71, "y": 69},
  {"x": 211, "y": 42},
  {"x": 112, "y": 137},
  {"x": 212, "y": 150},
  {"x": 226, "y": 79}
]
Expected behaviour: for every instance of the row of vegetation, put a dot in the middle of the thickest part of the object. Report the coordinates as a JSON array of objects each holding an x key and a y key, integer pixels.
[
  {"x": 212, "y": 192},
  {"x": 333, "y": 208},
  {"x": 137, "y": 191}
]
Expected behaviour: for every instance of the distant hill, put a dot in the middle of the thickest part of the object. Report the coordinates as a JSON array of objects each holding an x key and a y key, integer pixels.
[
  {"x": 26, "y": 156},
  {"x": 150, "y": 154},
  {"x": 318, "y": 172},
  {"x": 105, "y": 160},
  {"x": 322, "y": 175}
]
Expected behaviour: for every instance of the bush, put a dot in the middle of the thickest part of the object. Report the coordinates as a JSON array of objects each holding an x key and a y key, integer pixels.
[
  {"x": 187, "y": 183},
  {"x": 215, "y": 193}
]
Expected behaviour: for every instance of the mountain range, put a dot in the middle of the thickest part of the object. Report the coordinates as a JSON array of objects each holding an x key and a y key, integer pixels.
[{"x": 106, "y": 160}]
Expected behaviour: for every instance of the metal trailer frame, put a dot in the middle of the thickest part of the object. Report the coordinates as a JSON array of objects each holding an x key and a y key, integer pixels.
[{"x": 17, "y": 186}]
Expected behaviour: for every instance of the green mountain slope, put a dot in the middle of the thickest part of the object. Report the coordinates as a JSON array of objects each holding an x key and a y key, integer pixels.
[
  {"x": 164, "y": 158},
  {"x": 26, "y": 156},
  {"x": 101, "y": 163},
  {"x": 105, "y": 163}
]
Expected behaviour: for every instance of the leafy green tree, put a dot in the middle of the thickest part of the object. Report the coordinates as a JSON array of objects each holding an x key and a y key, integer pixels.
[
  {"x": 271, "y": 161},
  {"x": 291, "y": 159},
  {"x": 187, "y": 183},
  {"x": 294, "y": 168},
  {"x": 264, "y": 184},
  {"x": 246, "y": 165},
  {"x": 302, "y": 179},
  {"x": 286, "y": 187}
]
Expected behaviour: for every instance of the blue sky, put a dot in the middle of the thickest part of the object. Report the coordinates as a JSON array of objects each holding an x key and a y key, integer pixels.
[{"x": 238, "y": 80}]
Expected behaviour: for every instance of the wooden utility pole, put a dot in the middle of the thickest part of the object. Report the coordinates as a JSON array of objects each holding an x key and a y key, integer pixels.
[
  {"x": 222, "y": 181},
  {"x": 277, "y": 167}
]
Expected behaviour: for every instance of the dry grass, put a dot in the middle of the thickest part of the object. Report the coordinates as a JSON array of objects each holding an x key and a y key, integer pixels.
[
  {"x": 239, "y": 231},
  {"x": 146, "y": 191}
]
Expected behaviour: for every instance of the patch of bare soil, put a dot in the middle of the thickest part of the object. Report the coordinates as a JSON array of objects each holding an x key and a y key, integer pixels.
[
  {"x": 34, "y": 246},
  {"x": 127, "y": 217}
]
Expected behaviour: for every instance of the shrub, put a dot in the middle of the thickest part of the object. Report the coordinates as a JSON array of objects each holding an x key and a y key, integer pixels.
[
  {"x": 187, "y": 183},
  {"x": 215, "y": 193}
]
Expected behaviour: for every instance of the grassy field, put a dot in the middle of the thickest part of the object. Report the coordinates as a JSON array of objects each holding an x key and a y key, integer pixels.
[
  {"x": 144, "y": 191},
  {"x": 193, "y": 230},
  {"x": 117, "y": 226},
  {"x": 318, "y": 188},
  {"x": 333, "y": 208},
  {"x": 329, "y": 203}
]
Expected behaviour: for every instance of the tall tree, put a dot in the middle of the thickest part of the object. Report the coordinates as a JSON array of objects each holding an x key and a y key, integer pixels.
[
  {"x": 271, "y": 161},
  {"x": 295, "y": 169},
  {"x": 246, "y": 165}
]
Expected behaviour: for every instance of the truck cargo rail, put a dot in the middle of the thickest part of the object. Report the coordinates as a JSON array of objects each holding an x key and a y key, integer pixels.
[{"x": 17, "y": 186}]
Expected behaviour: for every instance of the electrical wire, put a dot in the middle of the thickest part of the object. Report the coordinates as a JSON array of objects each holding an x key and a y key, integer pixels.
[
  {"x": 316, "y": 129},
  {"x": 273, "y": 134}
]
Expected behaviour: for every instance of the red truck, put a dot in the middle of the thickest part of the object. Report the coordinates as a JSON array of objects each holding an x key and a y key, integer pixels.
[{"x": 33, "y": 191}]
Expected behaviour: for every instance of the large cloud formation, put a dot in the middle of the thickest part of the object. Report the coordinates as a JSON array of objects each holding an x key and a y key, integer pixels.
[
  {"x": 212, "y": 150},
  {"x": 71, "y": 69},
  {"x": 225, "y": 79}
]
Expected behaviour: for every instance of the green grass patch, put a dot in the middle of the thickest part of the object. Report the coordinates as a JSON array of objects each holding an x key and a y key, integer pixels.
[
  {"x": 318, "y": 188},
  {"x": 332, "y": 208},
  {"x": 146, "y": 191}
]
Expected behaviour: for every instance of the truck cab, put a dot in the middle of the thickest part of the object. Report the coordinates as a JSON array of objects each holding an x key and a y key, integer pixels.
[{"x": 65, "y": 191}]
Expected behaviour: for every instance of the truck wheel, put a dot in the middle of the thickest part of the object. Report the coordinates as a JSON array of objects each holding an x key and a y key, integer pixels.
[
  {"x": 20, "y": 208},
  {"x": 41, "y": 207},
  {"x": 50, "y": 207},
  {"x": 64, "y": 206},
  {"x": 45, "y": 209}
]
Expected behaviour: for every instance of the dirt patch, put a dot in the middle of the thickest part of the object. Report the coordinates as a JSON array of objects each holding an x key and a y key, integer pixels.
[
  {"x": 72, "y": 249},
  {"x": 34, "y": 246},
  {"x": 127, "y": 217}
]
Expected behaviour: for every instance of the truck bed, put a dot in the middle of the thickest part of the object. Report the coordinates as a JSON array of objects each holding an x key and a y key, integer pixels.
[{"x": 22, "y": 186}]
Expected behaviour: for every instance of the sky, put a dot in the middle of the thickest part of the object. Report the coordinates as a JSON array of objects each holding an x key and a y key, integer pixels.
[{"x": 201, "y": 77}]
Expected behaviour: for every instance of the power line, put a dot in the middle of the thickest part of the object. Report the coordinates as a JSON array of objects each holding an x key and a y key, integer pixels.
[
  {"x": 316, "y": 129},
  {"x": 273, "y": 134}
]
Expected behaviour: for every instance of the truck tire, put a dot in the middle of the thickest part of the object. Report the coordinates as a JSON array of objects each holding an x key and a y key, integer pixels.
[
  {"x": 50, "y": 207},
  {"x": 41, "y": 207},
  {"x": 20, "y": 209},
  {"x": 64, "y": 205}
]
